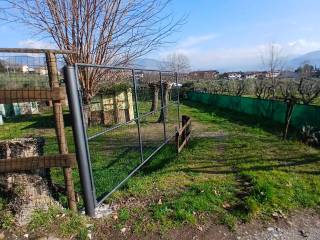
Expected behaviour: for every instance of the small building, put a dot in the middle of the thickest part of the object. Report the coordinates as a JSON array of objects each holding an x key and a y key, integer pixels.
[
  {"x": 17, "y": 109},
  {"x": 112, "y": 109},
  {"x": 41, "y": 71},
  {"x": 2, "y": 110},
  {"x": 251, "y": 75},
  {"x": 204, "y": 75},
  {"x": 25, "y": 108},
  {"x": 272, "y": 74},
  {"x": 289, "y": 74},
  {"x": 234, "y": 75},
  {"x": 24, "y": 68},
  {"x": 27, "y": 69}
]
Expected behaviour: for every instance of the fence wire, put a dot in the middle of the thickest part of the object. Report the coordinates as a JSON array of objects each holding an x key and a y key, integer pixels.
[
  {"x": 28, "y": 126},
  {"x": 131, "y": 114}
]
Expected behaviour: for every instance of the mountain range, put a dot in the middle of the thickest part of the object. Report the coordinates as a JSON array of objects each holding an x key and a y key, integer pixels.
[{"x": 312, "y": 58}]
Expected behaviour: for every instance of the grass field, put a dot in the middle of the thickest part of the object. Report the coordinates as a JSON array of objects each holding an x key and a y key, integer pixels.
[
  {"x": 246, "y": 173},
  {"x": 235, "y": 169}
]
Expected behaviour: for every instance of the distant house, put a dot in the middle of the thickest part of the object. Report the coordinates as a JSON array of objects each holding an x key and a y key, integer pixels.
[
  {"x": 272, "y": 74},
  {"x": 204, "y": 75},
  {"x": 234, "y": 75},
  {"x": 27, "y": 69},
  {"x": 251, "y": 75},
  {"x": 289, "y": 74},
  {"x": 42, "y": 70},
  {"x": 24, "y": 68}
]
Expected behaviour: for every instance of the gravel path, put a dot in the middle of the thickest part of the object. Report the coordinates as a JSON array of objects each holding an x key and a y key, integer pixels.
[{"x": 305, "y": 225}]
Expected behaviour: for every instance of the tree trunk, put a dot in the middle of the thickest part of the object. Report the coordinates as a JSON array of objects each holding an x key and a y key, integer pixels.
[
  {"x": 155, "y": 96},
  {"x": 164, "y": 105},
  {"x": 25, "y": 191},
  {"x": 290, "y": 106},
  {"x": 87, "y": 110}
]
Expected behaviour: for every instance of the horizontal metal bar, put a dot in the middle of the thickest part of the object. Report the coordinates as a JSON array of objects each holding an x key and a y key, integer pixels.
[
  {"x": 127, "y": 123},
  {"x": 34, "y": 50},
  {"x": 120, "y": 68},
  {"x": 112, "y": 128},
  {"x": 102, "y": 199}
]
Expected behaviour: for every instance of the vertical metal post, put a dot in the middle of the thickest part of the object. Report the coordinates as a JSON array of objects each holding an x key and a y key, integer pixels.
[
  {"x": 80, "y": 139},
  {"x": 138, "y": 114},
  {"x": 178, "y": 99},
  {"x": 163, "y": 111}
]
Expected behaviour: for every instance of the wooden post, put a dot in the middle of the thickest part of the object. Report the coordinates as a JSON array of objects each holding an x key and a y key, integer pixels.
[
  {"x": 60, "y": 131},
  {"x": 184, "y": 121}
]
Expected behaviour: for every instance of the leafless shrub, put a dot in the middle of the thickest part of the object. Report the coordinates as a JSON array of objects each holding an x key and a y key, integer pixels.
[
  {"x": 237, "y": 87},
  {"x": 289, "y": 93},
  {"x": 177, "y": 62}
]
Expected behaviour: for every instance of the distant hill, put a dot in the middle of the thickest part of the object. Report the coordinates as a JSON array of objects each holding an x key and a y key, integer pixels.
[{"x": 312, "y": 58}]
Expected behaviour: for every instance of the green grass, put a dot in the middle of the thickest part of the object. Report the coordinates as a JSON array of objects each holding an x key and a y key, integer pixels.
[
  {"x": 247, "y": 173},
  {"x": 70, "y": 223},
  {"x": 212, "y": 174}
]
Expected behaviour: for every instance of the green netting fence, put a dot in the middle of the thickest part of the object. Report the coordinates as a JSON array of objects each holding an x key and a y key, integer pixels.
[{"x": 270, "y": 109}]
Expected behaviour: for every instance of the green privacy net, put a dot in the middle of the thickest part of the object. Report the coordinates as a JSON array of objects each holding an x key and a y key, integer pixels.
[{"x": 270, "y": 109}]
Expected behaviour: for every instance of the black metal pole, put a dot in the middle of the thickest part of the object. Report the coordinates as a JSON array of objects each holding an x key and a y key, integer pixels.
[
  {"x": 80, "y": 139},
  {"x": 178, "y": 99},
  {"x": 138, "y": 114},
  {"x": 163, "y": 110}
]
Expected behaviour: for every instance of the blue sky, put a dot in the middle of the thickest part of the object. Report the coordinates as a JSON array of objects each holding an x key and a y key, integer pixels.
[{"x": 224, "y": 34}]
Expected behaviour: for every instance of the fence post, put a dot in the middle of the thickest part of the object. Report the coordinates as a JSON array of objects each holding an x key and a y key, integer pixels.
[
  {"x": 60, "y": 132},
  {"x": 138, "y": 114},
  {"x": 80, "y": 139},
  {"x": 163, "y": 114},
  {"x": 178, "y": 97}
]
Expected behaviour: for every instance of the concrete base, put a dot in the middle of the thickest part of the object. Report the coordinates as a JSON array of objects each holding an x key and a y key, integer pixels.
[{"x": 103, "y": 210}]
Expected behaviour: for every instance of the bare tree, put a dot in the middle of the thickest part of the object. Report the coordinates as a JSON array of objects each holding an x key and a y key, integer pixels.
[
  {"x": 262, "y": 88},
  {"x": 237, "y": 87},
  {"x": 304, "y": 89},
  {"x": 308, "y": 87},
  {"x": 177, "y": 62},
  {"x": 153, "y": 81},
  {"x": 112, "y": 32},
  {"x": 273, "y": 60},
  {"x": 289, "y": 93}
]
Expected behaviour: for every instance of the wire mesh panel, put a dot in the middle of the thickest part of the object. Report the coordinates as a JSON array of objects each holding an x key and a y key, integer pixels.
[
  {"x": 149, "y": 107},
  {"x": 129, "y": 114},
  {"x": 24, "y": 90},
  {"x": 32, "y": 101}
]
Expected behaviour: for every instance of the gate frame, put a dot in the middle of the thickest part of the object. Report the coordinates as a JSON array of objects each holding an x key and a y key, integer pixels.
[{"x": 81, "y": 139}]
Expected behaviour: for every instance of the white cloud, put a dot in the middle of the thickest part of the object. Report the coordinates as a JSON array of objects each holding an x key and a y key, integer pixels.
[
  {"x": 239, "y": 58},
  {"x": 30, "y": 43},
  {"x": 193, "y": 41},
  {"x": 301, "y": 46}
]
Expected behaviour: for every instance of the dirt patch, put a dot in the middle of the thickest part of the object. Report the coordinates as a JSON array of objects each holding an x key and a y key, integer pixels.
[{"x": 299, "y": 225}]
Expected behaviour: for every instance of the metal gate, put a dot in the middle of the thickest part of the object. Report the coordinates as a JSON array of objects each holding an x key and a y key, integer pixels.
[{"x": 131, "y": 116}]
